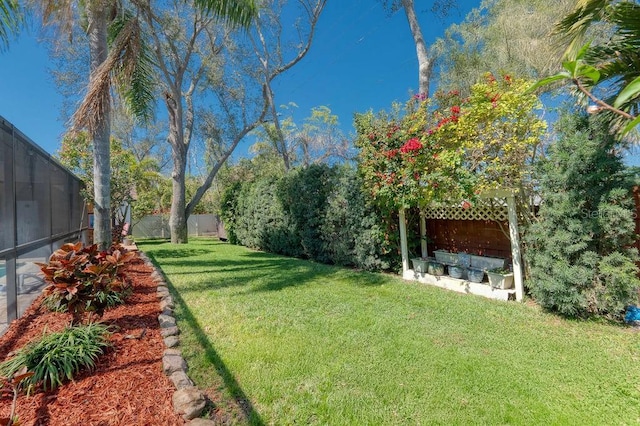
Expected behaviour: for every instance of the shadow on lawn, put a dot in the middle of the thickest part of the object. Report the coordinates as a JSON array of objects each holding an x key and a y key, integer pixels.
[
  {"x": 281, "y": 272},
  {"x": 248, "y": 410},
  {"x": 257, "y": 271}
]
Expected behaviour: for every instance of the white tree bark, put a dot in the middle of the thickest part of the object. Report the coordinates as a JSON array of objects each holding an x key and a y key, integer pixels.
[
  {"x": 97, "y": 32},
  {"x": 425, "y": 63}
]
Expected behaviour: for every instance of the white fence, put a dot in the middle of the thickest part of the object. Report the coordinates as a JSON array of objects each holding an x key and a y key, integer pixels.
[{"x": 157, "y": 226}]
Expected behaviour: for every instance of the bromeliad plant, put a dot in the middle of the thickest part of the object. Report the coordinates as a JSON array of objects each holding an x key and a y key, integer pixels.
[
  {"x": 85, "y": 280},
  {"x": 448, "y": 149}
]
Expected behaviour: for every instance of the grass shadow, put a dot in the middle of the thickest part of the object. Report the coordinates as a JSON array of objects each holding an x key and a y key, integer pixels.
[
  {"x": 178, "y": 253},
  {"x": 282, "y": 272},
  {"x": 248, "y": 410},
  {"x": 256, "y": 270}
]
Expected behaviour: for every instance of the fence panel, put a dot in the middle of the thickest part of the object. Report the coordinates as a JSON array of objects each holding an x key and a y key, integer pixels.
[{"x": 157, "y": 226}]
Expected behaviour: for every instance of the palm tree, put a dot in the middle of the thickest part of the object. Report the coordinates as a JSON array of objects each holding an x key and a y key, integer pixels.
[
  {"x": 118, "y": 58},
  {"x": 616, "y": 60}
]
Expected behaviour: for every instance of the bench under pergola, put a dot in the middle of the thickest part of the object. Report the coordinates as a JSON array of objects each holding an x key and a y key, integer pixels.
[{"x": 497, "y": 205}]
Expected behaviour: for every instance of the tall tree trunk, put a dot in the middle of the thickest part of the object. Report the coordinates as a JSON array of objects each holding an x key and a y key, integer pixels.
[
  {"x": 178, "y": 219},
  {"x": 97, "y": 32},
  {"x": 281, "y": 143},
  {"x": 425, "y": 64}
]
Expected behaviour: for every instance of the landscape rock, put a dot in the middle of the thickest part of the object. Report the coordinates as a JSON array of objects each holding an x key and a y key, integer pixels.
[
  {"x": 172, "y": 363},
  {"x": 168, "y": 300},
  {"x": 166, "y": 321},
  {"x": 189, "y": 402},
  {"x": 171, "y": 341},
  {"x": 173, "y": 352},
  {"x": 166, "y": 303},
  {"x": 170, "y": 331},
  {"x": 180, "y": 379}
]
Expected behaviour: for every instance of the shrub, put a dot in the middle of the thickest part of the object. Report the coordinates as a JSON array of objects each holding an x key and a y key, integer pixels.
[
  {"x": 84, "y": 279},
  {"x": 303, "y": 193},
  {"x": 318, "y": 212},
  {"x": 263, "y": 224},
  {"x": 580, "y": 251},
  {"x": 352, "y": 227},
  {"x": 59, "y": 356},
  {"x": 229, "y": 211}
]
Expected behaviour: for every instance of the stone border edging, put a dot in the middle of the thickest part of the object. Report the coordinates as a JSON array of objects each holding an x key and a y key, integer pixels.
[{"x": 188, "y": 400}]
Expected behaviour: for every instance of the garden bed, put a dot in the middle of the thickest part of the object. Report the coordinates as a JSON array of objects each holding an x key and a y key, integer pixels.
[{"x": 128, "y": 385}]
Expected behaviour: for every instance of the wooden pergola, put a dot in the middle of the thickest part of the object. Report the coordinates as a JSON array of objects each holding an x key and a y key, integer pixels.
[{"x": 514, "y": 237}]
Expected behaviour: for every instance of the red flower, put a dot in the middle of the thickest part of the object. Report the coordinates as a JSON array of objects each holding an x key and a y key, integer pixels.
[
  {"x": 412, "y": 144},
  {"x": 455, "y": 109}
]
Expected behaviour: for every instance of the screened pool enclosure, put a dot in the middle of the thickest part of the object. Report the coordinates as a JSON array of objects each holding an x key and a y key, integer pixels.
[{"x": 40, "y": 209}]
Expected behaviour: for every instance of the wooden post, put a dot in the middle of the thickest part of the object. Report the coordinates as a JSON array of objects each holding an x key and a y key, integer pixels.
[
  {"x": 515, "y": 247},
  {"x": 423, "y": 234},
  {"x": 403, "y": 241}
]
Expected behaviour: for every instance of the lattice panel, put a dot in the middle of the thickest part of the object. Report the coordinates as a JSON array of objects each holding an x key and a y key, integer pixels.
[{"x": 477, "y": 212}]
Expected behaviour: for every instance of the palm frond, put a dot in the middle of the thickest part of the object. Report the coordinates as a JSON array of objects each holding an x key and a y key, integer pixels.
[
  {"x": 129, "y": 66},
  {"x": 573, "y": 27},
  {"x": 11, "y": 17},
  {"x": 133, "y": 72},
  {"x": 58, "y": 12},
  {"x": 235, "y": 12}
]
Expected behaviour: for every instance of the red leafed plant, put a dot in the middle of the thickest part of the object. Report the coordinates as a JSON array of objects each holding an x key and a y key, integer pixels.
[{"x": 85, "y": 280}]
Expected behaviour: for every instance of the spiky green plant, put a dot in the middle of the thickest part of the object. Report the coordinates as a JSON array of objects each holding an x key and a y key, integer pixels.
[{"x": 59, "y": 356}]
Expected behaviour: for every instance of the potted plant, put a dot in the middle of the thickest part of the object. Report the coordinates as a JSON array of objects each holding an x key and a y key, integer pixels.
[
  {"x": 476, "y": 275},
  {"x": 500, "y": 278}
]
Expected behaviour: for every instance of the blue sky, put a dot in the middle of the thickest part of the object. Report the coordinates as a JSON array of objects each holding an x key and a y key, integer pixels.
[{"x": 361, "y": 59}]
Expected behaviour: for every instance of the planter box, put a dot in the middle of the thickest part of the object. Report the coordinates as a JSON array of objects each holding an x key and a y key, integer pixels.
[
  {"x": 420, "y": 265},
  {"x": 476, "y": 275},
  {"x": 486, "y": 263},
  {"x": 501, "y": 281},
  {"x": 445, "y": 257}
]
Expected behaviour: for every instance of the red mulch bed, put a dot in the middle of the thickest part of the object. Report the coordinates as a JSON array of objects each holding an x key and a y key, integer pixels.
[{"x": 128, "y": 386}]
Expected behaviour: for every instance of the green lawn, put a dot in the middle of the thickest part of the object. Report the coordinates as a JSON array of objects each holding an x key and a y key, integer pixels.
[{"x": 295, "y": 342}]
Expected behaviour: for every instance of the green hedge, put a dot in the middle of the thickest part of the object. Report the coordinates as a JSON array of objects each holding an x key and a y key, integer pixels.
[
  {"x": 580, "y": 251},
  {"x": 318, "y": 212}
]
